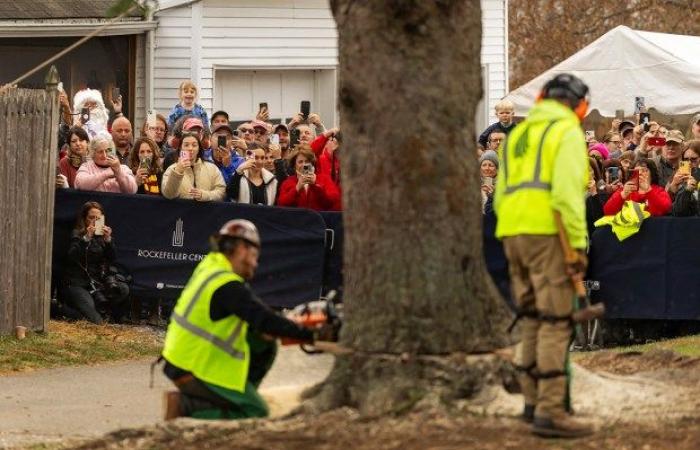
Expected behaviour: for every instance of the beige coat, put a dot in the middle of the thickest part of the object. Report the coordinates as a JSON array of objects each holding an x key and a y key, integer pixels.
[{"x": 202, "y": 175}]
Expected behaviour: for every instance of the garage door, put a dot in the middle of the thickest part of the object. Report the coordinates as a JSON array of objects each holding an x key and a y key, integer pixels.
[{"x": 239, "y": 92}]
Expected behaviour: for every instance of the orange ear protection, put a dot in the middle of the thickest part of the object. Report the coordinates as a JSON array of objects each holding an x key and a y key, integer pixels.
[{"x": 581, "y": 109}]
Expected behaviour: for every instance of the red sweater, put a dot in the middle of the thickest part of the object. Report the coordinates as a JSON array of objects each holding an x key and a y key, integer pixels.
[
  {"x": 328, "y": 164},
  {"x": 323, "y": 196},
  {"x": 65, "y": 167},
  {"x": 657, "y": 201}
]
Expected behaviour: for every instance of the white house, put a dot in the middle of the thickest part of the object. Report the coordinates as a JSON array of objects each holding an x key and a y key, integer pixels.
[{"x": 243, "y": 52}]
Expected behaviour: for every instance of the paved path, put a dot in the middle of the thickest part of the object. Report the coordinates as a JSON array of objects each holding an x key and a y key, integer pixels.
[{"x": 50, "y": 405}]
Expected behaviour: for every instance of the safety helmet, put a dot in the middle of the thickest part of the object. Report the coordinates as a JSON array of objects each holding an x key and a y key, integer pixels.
[
  {"x": 570, "y": 87},
  {"x": 241, "y": 229}
]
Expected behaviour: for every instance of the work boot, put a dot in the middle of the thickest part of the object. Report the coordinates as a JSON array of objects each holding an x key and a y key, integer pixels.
[
  {"x": 528, "y": 413},
  {"x": 561, "y": 425},
  {"x": 171, "y": 405}
]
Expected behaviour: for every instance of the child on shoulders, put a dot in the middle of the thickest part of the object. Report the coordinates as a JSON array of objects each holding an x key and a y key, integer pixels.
[
  {"x": 188, "y": 97},
  {"x": 505, "y": 111}
]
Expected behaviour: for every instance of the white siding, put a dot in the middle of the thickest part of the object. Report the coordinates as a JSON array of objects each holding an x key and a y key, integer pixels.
[
  {"x": 276, "y": 34},
  {"x": 494, "y": 51},
  {"x": 171, "y": 56}
]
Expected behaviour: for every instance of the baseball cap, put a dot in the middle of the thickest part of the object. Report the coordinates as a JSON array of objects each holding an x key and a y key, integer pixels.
[
  {"x": 675, "y": 136},
  {"x": 223, "y": 127},
  {"x": 281, "y": 126},
  {"x": 192, "y": 122},
  {"x": 625, "y": 125},
  {"x": 259, "y": 124}
]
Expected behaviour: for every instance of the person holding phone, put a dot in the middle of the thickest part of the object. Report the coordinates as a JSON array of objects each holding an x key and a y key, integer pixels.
[
  {"x": 642, "y": 187},
  {"x": 192, "y": 177},
  {"x": 488, "y": 170},
  {"x": 669, "y": 162},
  {"x": 613, "y": 142},
  {"x": 104, "y": 172},
  {"x": 252, "y": 183},
  {"x": 145, "y": 164},
  {"x": 223, "y": 152},
  {"x": 685, "y": 203},
  {"x": 87, "y": 290},
  {"x": 307, "y": 188}
]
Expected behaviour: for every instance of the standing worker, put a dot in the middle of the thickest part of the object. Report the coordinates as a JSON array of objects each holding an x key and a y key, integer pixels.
[
  {"x": 214, "y": 350},
  {"x": 543, "y": 173}
]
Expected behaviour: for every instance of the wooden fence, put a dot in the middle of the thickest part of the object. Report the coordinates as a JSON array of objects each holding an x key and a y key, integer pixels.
[{"x": 28, "y": 141}]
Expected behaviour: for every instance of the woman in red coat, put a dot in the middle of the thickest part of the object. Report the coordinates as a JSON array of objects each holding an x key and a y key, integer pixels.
[
  {"x": 646, "y": 190},
  {"x": 306, "y": 188}
]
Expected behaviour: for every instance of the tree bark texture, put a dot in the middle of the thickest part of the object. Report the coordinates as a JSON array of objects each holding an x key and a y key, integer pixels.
[{"x": 415, "y": 277}]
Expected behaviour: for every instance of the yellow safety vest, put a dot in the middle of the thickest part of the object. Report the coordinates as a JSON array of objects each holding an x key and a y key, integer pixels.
[
  {"x": 626, "y": 222},
  {"x": 524, "y": 203},
  {"x": 215, "y": 352}
]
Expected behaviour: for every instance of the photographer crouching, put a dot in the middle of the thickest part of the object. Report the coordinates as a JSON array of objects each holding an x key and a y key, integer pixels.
[{"x": 91, "y": 286}]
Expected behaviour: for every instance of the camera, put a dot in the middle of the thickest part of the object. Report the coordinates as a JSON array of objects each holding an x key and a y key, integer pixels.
[{"x": 307, "y": 169}]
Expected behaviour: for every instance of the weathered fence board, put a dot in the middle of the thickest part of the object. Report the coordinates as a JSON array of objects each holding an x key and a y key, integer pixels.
[{"x": 28, "y": 139}]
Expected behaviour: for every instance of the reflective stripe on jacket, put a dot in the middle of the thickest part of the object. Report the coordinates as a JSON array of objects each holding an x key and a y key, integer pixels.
[
  {"x": 215, "y": 352},
  {"x": 544, "y": 167}
]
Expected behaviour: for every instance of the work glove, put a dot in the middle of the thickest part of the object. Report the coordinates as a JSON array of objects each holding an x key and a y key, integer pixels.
[
  {"x": 326, "y": 332},
  {"x": 576, "y": 267}
]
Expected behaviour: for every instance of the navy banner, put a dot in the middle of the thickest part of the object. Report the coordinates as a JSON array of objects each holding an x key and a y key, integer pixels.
[
  {"x": 654, "y": 274},
  {"x": 160, "y": 241}
]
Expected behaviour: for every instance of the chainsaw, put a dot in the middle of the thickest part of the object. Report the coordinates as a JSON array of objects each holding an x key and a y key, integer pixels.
[{"x": 322, "y": 315}]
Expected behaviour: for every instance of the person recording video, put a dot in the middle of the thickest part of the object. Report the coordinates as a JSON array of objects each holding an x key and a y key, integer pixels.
[
  {"x": 90, "y": 286},
  {"x": 307, "y": 188}
]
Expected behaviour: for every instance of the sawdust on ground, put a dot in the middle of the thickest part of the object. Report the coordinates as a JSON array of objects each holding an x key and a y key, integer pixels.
[{"x": 653, "y": 405}]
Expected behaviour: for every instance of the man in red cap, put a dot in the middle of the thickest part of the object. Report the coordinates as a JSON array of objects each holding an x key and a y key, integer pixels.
[{"x": 215, "y": 349}]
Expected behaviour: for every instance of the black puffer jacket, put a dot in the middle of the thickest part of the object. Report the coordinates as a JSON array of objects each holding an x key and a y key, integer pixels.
[{"x": 87, "y": 259}]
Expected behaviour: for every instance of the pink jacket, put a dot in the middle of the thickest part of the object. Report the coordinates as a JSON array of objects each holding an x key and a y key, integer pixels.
[{"x": 92, "y": 177}]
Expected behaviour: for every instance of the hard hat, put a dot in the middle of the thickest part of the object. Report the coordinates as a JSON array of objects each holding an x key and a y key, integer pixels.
[
  {"x": 242, "y": 229},
  {"x": 570, "y": 87}
]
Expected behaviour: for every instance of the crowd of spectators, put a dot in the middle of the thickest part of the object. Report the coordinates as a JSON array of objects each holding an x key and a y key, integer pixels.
[
  {"x": 184, "y": 156},
  {"x": 646, "y": 163}
]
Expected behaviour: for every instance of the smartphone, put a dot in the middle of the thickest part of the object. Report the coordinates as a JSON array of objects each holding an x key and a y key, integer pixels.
[
  {"x": 112, "y": 152},
  {"x": 100, "y": 226},
  {"x": 185, "y": 156},
  {"x": 613, "y": 174},
  {"x": 249, "y": 154},
  {"x": 590, "y": 135},
  {"x": 294, "y": 138},
  {"x": 656, "y": 141},
  {"x": 620, "y": 114},
  {"x": 307, "y": 169},
  {"x": 60, "y": 86},
  {"x": 645, "y": 120},
  {"x": 236, "y": 133},
  {"x": 263, "y": 105},
  {"x": 487, "y": 181},
  {"x": 305, "y": 109},
  {"x": 634, "y": 177},
  {"x": 145, "y": 163},
  {"x": 151, "y": 118},
  {"x": 639, "y": 106},
  {"x": 684, "y": 167},
  {"x": 221, "y": 141},
  {"x": 84, "y": 115},
  {"x": 275, "y": 139},
  {"x": 116, "y": 92}
]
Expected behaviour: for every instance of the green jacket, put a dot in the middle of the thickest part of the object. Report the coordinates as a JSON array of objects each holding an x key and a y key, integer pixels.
[{"x": 544, "y": 167}]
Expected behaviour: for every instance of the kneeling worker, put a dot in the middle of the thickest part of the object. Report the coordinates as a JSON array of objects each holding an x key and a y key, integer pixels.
[{"x": 214, "y": 348}]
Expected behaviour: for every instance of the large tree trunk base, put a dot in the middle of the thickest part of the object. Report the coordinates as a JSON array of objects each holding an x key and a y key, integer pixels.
[{"x": 377, "y": 384}]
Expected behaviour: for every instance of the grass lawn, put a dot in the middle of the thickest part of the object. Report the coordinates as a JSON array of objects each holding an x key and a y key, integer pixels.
[
  {"x": 77, "y": 343},
  {"x": 687, "y": 346}
]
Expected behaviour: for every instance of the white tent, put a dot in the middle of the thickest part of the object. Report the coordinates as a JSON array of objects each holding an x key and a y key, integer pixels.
[{"x": 624, "y": 64}]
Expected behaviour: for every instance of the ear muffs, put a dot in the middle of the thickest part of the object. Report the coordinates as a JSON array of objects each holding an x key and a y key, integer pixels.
[{"x": 581, "y": 109}]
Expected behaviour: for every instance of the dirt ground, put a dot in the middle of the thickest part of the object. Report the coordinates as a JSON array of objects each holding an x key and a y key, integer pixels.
[{"x": 638, "y": 401}]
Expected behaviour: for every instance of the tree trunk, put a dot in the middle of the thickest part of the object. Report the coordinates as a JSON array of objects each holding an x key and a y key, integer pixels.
[{"x": 416, "y": 286}]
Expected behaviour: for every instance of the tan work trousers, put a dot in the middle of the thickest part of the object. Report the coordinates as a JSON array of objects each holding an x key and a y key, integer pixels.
[{"x": 540, "y": 282}]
